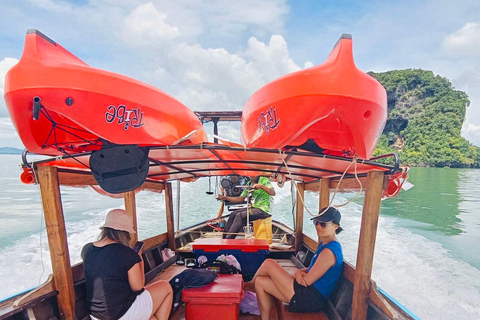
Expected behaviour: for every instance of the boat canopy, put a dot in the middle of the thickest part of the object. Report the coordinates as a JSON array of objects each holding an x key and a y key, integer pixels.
[{"x": 190, "y": 162}]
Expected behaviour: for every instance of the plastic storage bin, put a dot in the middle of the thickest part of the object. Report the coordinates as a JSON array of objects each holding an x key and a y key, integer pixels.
[
  {"x": 217, "y": 300},
  {"x": 250, "y": 253}
]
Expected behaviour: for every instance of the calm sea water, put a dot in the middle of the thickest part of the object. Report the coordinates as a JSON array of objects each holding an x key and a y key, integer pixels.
[{"x": 427, "y": 251}]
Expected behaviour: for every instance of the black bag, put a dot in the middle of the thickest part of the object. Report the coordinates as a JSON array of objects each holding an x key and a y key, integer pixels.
[
  {"x": 219, "y": 267},
  {"x": 191, "y": 278}
]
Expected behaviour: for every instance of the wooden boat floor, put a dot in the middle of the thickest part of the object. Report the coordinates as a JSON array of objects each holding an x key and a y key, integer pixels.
[{"x": 279, "y": 309}]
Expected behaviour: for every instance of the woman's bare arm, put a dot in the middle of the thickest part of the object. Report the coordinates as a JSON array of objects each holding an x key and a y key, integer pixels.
[
  {"x": 136, "y": 276},
  {"x": 325, "y": 260}
]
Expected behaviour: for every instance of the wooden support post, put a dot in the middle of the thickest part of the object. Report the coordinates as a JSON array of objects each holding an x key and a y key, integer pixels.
[
  {"x": 324, "y": 193},
  {"x": 131, "y": 208},
  {"x": 299, "y": 217},
  {"x": 366, "y": 245},
  {"x": 57, "y": 240},
  {"x": 169, "y": 213}
]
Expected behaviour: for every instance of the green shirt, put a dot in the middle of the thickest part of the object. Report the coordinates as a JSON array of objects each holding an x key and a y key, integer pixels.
[{"x": 261, "y": 199}]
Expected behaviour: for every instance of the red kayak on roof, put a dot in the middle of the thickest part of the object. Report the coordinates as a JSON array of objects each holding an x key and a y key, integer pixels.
[
  {"x": 332, "y": 108},
  {"x": 60, "y": 105}
]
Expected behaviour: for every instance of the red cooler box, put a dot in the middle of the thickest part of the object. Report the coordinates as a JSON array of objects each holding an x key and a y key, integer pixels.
[
  {"x": 250, "y": 253},
  {"x": 218, "y": 300}
]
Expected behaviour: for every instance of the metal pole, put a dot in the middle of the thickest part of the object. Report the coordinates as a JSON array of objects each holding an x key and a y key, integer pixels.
[
  {"x": 178, "y": 205},
  {"x": 215, "y": 128}
]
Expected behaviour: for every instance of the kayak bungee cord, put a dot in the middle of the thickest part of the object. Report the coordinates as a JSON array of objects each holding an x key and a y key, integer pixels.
[{"x": 39, "y": 108}]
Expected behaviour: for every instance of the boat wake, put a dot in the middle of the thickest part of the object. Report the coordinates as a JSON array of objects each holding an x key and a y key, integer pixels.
[{"x": 419, "y": 273}]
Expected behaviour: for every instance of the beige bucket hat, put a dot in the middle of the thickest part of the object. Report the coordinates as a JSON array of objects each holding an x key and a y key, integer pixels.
[{"x": 119, "y": 219}]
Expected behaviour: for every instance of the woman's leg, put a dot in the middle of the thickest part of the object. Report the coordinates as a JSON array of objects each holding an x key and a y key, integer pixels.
[
  {"x": 280, "y": 277},
  {"x": 266, "y": 287},
  {"x": 162, "y": 296}
]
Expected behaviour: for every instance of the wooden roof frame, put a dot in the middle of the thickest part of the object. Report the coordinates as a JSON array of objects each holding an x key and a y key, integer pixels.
[{"x": 374, "y": 182}]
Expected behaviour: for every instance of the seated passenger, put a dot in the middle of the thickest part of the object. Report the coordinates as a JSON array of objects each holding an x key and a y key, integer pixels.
[
  {"x": 308, "y": 289},
  {"x": 115, "y": 276},
  {"x": 262, "y": 192}
]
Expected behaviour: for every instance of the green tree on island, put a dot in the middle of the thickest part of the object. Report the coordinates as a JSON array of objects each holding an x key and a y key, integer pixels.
[{"x": 425, "y": 117}]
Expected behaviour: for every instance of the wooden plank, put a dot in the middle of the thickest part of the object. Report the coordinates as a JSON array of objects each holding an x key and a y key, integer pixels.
[
  {"x": 348, "y": 271},
  {"x": 154, "y": 241},
  {"x": 131, "y": 208},
  {"x": 8, "y": 311},
  {"x": 310, "y": 243},
  {"x": 170, "y": 272},
  {"x": 366, "y": 245},
  {"x": 86, "y": 179},
  {"x": 324, "y": 194},
  {"x": 78, "y": 273},
  {"x": 351, "y": 184},
  {"x": 312, "y": 186},
  {"x": 47, "y": 287},
  {"x": 57, "y": 240},
  {"x": 299, "y": 217},
  {"x": 169, "y": 213},
  {"x": 380, "y": 302}
]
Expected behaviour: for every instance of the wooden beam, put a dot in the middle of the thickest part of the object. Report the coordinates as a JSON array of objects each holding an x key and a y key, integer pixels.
[
  {"x": 154, "y": 241},
  {"x": 86, "y": 179},
  {"x": 366, "y": 245},
  {"x": 312, "y": 186},
  {"x": 299, "y": 217},
  {"x": 310, "y": 243},
  {"x": 57, "y": 240},
  {"x": 169, "y": 213},
  {"x": 380, "y": 302},
  {"x": 47, "y": 287},
  {"x": 351, "y": 184},
  {"x": 131, "y": 208},
  {"x": 324, "y": 193}
]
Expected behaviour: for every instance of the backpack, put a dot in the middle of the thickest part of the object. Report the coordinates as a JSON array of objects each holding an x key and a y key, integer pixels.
[{"x": 219, "y": 267}]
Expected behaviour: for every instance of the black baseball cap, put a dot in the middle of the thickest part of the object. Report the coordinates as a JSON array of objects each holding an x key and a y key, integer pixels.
[{"x": 331, "y": 214}]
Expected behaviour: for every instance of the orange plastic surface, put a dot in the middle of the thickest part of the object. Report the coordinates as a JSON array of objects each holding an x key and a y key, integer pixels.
[
  {"x": 102, "y": 105},
  {"x": 217, "y": 244},
  {"x": 334, "y": 104}
]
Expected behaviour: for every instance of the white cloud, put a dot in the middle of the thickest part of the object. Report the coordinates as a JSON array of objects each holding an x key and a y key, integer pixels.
[
  {"x": 8, "y": 135},
  {"x": 5, "y": 65},
  {"x": 469, "y": 81},
  {"x": 464, "y": 42},
  {"x": 471, "y": 132},
  {"x": 58, "y": 6},
  {"x": 147, "y": 26},
  {"x": 228, "y": 17},
  {"x": 215, "y": 79}
]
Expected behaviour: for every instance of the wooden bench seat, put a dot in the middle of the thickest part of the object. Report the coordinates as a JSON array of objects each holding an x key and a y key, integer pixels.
[
  {"x": 284, "y": 314},
  {"x": 279, "y": 309}
]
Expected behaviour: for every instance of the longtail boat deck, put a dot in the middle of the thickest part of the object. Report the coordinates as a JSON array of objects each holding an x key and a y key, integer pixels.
[{"x": 170, "y": 146}]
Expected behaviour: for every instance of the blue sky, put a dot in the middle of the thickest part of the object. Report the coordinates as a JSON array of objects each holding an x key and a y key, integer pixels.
[{"x": 212, "y": 55}]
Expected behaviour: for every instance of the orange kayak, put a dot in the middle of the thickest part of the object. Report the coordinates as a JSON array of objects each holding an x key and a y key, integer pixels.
[
  {"x": 60, "y": 105},
  {"x": 332, "y": 108}
]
